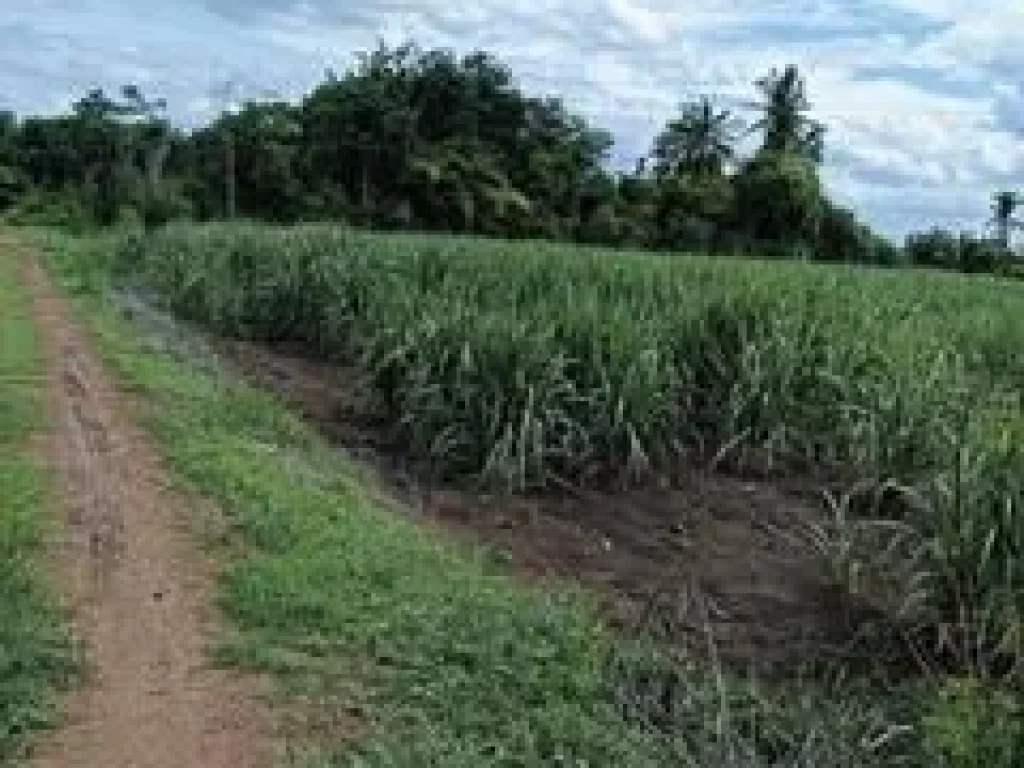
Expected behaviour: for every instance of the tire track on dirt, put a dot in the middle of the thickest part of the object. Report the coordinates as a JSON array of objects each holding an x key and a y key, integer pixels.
[{"x": 138, "y": 589}]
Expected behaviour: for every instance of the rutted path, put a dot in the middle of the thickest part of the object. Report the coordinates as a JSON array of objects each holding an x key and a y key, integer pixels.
[{"x": 139, "y": 590}]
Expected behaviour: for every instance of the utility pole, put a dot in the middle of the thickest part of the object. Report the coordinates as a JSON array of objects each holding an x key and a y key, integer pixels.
[
  {"x": 226, "y": 93},
  {"x": 153, "y": 111},
  {"x": 231, "y": 179}
]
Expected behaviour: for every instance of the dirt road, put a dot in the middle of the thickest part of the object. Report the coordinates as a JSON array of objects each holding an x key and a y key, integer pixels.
[{"x": 139, "y": 590}]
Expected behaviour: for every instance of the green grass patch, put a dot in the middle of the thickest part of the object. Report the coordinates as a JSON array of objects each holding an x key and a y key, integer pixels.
[{"x": 36, "y": 654}]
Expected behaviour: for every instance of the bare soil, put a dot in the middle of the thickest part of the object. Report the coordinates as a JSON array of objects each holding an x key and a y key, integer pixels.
[
  {"x": 139, "y": 592},
  {"x": 716, "y": 563}
]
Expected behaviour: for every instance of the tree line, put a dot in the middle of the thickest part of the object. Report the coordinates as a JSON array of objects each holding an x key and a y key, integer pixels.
[{"x": 428, "y": 140}]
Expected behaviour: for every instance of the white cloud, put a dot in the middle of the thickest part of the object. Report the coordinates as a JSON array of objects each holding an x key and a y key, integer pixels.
[{"x": 650, "y": 25}]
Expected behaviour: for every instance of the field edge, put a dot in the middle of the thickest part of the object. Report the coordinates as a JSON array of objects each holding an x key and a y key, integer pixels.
[{"x": 40, "y": 657}]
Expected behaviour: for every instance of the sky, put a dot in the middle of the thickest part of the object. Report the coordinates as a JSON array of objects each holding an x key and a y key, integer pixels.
[{"x": 923, "y": 99}]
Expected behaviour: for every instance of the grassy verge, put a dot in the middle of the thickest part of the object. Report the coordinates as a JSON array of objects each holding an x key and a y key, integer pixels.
[
  {"x": 36, "y": 657},
  {"x": 431, "y": 653}
]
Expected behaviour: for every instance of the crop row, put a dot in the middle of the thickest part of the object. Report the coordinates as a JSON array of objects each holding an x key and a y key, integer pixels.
[{"x": 519, "y": 364}]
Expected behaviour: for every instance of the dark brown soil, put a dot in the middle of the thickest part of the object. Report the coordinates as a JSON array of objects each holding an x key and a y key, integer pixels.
[{"x": 719, "y": 563}]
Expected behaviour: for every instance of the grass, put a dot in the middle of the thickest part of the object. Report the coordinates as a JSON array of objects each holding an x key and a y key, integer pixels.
[
  {"x": 514, "y": 363},
  {"x": 438, "y": 656},
  {"x": 445, "y": 659},
  {"x": 521, "y": 364},
  {"x": 36, "y": 654}
]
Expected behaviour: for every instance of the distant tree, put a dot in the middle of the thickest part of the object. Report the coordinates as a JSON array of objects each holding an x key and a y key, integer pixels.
[
  {"x": 260, "y": 176},
  {"x": 979, "y": 255},
  {"x": 936, "y": 248},
  {"x": 700, "y": 141},
  {"x": 153, "y": 140},
  {"x": 463, "y": 178},
  {"x": 1004, "y": 205},
  {"x": 12, "y": 180},
  {"x": 841, "y": 238},
  {"x": 779, "y": 201},
  {"x": 431, "y": 139},
  {"x": 638, "y": 207},
  {"x": 693, "y": 209},
  {"x": 941, "y": 249},
  {"x": 784, "y": 123},
  {"x": 102, "y": 152},
  {"x": 448, "y": 142}
]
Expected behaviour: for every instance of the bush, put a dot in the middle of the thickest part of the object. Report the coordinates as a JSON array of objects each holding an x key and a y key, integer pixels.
[
  {"x": 64, "y": 211},
  {"x": 779, "y": 198}
]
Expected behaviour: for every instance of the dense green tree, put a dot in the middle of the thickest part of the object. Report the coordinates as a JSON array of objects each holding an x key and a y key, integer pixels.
[
  {"x": 940, "y": 249},
  {"x": 469, "y": 191},
  {"x": 689, "y": 160},
  {"x": 405, "y": 128},
  {"x": 702, "y": 140},
  {"x": 693, "y": 209},
  {"x": 978, "y": 255},
  {"x": 843, "y": 238},
  {"x": 12, "y": 180},
  {"x": 779, "y": 201},
  {"x": 151, "y": 140},
  {"x": 266, "y": 149},
  {"x": 784, "y": 123},
  {"x": 1004, "y": 205},
  {"x": 936, "y": 248},
  {"x": 431, "y": 140}
]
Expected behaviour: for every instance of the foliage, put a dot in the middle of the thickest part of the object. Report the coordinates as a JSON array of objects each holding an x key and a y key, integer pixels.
[
  {"x": 693, "y": 210},
  {"x": 779, "y": 199},
  {"x": 64, "y": 211},
  {"x": 935, "y": 248},
  {"x": 785, "y": 124},
  {"x": 841, "y": 238},
  {"x": 700, "y": 141},
  {"x": 429, "y": 140},
  {"x": 1004, "y": 205},
  {"x": 941, "y": 249}
]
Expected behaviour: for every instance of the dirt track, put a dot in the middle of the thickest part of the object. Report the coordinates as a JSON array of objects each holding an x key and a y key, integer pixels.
[{"x": 138, "y": 588}]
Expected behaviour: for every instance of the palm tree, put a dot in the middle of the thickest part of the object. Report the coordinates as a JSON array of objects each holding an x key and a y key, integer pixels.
[
  {"x": 1004, "y": 204},
  {"x": 701, "y": 140},
  {"x": 784, "y": 123}
]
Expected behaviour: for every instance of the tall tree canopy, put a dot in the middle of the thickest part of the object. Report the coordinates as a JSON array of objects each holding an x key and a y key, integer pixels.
[
  {"x": 702, "y": 140},
  {"x": 785, "y": 124},
  {"x": 1004, "y": 205},
  {"x": 434, "y": 140}
]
